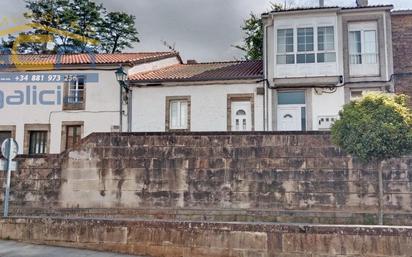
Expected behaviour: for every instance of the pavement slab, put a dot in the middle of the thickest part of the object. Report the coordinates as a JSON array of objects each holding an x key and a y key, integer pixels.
[{"x": 16, "y": 249}]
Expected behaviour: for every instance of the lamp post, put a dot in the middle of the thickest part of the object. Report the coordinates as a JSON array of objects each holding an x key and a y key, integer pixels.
[{"x": 121, "y": 77}]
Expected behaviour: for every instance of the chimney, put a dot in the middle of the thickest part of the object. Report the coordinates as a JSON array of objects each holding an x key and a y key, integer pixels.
[
  {"x": 361, "y": 3},
  {"x": 321, "y": 3}
]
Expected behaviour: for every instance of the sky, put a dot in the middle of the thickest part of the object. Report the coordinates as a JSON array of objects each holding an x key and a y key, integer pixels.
[{"x": 203, "y": 30}]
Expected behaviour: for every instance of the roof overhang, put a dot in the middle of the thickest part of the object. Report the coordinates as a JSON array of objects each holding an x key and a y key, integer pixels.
[
  {"x": 154, "y": 83},
  {"x": 335, "y": 9},
  {"x": 302, "y": 11},
  {"x": 401, "y": 12}
]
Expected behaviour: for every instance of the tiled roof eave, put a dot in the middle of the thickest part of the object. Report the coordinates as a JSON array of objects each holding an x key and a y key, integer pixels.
[
  {"x": 159, "y": 81},
  {"x": 328, "y": 9}
]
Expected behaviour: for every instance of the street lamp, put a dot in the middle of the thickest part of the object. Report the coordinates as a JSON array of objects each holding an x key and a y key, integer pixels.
[{"x": 122, "y": 77}]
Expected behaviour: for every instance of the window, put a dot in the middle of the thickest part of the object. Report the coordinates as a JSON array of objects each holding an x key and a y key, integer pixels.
[
  {"x": 370, "y": 49},
  {"x": 75, "y": 94},
  {"x": 178, "y": 113},
  {"x": 73, "y": 135},
  {"x": 305, "y": 46},
  {"x": 326, "y": 44},
  {"x": 4, "y": 135},
  {"x": 356, "y": 94},
  {"x": 291, "y": 97},
  {"x": 285, "y": 46},
  {"x": 304, "y": 51},
  {"x": 363, "y": 47},
  {"x": 38, "y": 142},
  {"x": 76, "y": 91},
  {"x": 355, "y": 47}
]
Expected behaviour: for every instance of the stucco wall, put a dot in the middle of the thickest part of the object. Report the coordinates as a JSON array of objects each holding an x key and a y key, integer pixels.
[
  {"x": 100, "y": 114},
  {"x": 218, "y": 176},
  {"x": 209, "y": 105}
]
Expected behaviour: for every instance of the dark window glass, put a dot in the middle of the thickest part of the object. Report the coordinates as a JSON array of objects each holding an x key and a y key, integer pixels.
[
  {"x": 291, "y": 97},
  {"x": 4, "y": 135},
  {"x": 303, "y": 115},
  {"x": 38, "y": 142}
]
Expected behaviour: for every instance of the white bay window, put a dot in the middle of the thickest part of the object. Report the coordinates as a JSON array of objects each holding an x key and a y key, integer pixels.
[
  {"x": 285, "y": 45},
  {"x": 307, "y": 48},
  {"x": 326, "y": 44}
]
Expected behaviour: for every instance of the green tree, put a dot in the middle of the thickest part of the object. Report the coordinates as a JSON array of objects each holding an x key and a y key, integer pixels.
[
  {"x": 117, "y": 32},
  {"x": 376, "y": 128},
  {"x": 84, "y": 18},
  {"x": 253, "y": 35},
  {"x": 88, "y": 22}
]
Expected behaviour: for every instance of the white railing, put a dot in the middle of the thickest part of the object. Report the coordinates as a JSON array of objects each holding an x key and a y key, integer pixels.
[{"x": 364, "y": 58}]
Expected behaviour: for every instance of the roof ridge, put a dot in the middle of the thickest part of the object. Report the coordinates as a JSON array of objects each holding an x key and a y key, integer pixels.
[
  {"x": 71, "y": 54},
  {"x": 155, "y": 70}
]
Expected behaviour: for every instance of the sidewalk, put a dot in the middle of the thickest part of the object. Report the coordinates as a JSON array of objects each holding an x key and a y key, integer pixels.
[{"x": 14, "y": 249}]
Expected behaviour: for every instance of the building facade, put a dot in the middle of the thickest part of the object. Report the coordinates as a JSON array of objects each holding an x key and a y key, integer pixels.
[
  {"x": 317, "y": 59},
  {"x": 48, "y": 103},
  {"x": 226, "y": 96}
]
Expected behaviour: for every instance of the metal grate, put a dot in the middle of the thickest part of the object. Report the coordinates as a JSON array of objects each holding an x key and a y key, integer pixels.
[{"x": 38, "y": 142}]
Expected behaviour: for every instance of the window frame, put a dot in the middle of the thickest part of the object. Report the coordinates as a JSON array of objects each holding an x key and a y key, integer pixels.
[
  {"x": 285, "y": 53},
  {"x": 316, "y": 52},
  {"x": 65, "y": 125},
  {"x": 28, "y": 128},
  {"x": 168, "y": 118},
  {"x": 325, "y": 51},
  {"x": 8, "y": 128},
  {"x": 305, "y": 52},
  {"x": 362, "y": 30},
  {"x": 77, "y": 105}
]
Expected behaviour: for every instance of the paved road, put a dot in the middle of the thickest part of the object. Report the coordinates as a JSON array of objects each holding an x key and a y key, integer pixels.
[{"x": 13, "y": 249}]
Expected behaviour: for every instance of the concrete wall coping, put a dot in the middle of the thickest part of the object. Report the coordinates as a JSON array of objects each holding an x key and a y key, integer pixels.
[{"x": 302, "y": 228}]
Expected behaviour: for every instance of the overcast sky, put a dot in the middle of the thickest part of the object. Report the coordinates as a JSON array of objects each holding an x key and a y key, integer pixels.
[{"x": 204, "y": 30}]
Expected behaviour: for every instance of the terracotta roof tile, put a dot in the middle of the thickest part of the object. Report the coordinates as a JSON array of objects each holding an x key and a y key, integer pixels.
[
  {"x": 78, "y": 59},
  {"x": 203, "y": 72}
]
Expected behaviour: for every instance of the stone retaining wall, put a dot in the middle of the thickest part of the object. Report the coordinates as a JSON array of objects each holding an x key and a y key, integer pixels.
[
  {"x": 297, "y": 177},
  {"x": 195, "y": 239}
]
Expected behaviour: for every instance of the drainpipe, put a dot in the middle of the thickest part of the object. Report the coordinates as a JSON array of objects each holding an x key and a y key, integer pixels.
[
  {"x": 121, "y": 110},
  {"x": 265, "y": 80}
]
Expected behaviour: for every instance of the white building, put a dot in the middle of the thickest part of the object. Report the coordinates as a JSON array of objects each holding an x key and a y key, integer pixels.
[
  {"x": 317, "y": 59},
  {"x": 224, "y": 96},
  {"x": 48, "y": 103}
]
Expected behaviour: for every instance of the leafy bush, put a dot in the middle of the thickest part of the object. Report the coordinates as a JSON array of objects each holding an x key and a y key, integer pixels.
[{"x": 376, "y": 127}]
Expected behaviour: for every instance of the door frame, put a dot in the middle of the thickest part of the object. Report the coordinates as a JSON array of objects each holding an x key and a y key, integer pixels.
[
  {"x": 240, "y": 98},
  {"x": 308, "y": 103}
]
